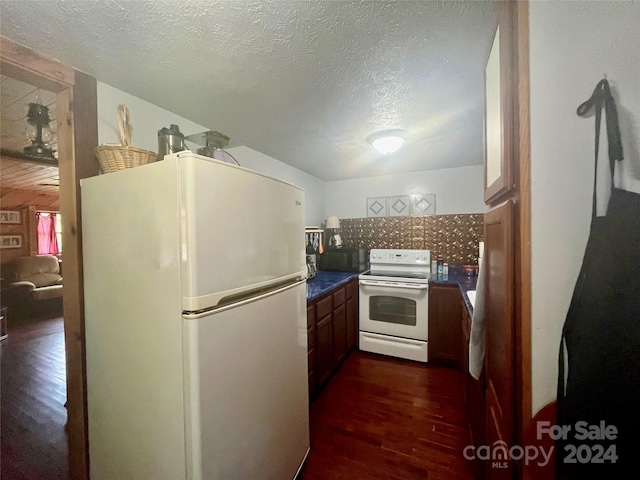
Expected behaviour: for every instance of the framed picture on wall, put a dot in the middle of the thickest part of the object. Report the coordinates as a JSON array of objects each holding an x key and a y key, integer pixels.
[
  {"x": 10, "y": 241},
  {"x": 498, "y": 131},
  {"x": 10, "y": 216}
]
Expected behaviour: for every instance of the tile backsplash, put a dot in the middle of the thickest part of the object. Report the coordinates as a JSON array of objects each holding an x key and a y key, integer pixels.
[{"x": 454, "y": 237}]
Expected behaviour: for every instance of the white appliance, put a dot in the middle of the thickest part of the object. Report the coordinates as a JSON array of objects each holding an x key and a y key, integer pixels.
[
  {"x": 196, "y": 336},
  {"x": 394, "y": 304}
]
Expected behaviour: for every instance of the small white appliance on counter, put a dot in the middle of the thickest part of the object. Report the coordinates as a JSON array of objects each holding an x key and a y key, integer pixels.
[
  {"x": 394, "y": 304},
  {"x": 196, "y": 334}
]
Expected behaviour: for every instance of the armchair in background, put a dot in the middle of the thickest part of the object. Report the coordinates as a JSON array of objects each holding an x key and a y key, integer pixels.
[{"x": 31, "y": 283}]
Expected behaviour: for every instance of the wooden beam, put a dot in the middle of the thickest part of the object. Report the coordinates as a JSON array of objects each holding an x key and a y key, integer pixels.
[
  {"x": 518, "y": 19},
  {"x": 29, "y": 66},
  {"x": 77, "y": 119}
]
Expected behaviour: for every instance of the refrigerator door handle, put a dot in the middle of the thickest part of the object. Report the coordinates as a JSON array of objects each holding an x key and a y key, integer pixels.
[
  {"x": 234, "y": 301},
  {"x": 220, "y": 299}
]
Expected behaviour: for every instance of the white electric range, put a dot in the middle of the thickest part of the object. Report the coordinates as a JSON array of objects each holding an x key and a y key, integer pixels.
[{"x": 394, "y": 304}]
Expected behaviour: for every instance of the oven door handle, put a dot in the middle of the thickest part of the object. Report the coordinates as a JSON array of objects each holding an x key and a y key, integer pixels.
[
  {"x": 393, "y": 285},
  {"x": 382, "y": 339}
]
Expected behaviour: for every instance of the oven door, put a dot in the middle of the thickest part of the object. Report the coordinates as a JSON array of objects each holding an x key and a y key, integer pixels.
[{"x": 399, "y": 309}]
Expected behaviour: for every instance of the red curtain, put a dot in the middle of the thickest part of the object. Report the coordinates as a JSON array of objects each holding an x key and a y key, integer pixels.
[{"x": 47, "y": 238}]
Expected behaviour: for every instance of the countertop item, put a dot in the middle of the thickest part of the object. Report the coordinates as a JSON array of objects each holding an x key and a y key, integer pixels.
[
  {"x": 470, "y": 269},
  {"x": 325, "y": 281}
]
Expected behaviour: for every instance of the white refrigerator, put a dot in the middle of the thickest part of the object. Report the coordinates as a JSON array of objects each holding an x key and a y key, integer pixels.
[{"x": 195, "y": 308}]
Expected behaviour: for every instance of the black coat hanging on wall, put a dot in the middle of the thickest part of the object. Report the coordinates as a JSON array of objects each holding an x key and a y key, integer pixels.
[{"x": 600, "y": 346}]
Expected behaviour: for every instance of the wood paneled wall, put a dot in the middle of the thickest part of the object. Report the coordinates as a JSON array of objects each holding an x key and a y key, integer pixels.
[{"x": 26, "y": 202}]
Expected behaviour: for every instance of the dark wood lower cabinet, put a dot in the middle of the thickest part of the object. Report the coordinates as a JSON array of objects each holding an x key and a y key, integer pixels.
[
  {"x": 473, "y": 393},
  {"x": 444, "y": 324},
  {"x": 340, "y": 347},
  {"x": 352, "y": 313},
  {"x": 332, "y": 323},
  {"x": 324, "y": 350},
  {"x": 500, "y": 331},
  {"x": 311, "y": 349},
  {"x": 311, "y": 359}
]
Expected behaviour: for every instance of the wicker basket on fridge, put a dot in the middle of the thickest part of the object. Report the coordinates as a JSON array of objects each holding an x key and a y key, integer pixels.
[{"x": 118, "y": 157}]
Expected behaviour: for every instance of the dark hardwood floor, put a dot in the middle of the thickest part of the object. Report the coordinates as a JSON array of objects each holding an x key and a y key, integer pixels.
[
  {"x": 378, "y": 418},
  {"x": 33, "y": 416},
  {"x": 382, "y": 418}
]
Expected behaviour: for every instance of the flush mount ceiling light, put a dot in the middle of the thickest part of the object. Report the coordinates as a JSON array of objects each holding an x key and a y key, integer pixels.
[{"x": 387, "y": 141}]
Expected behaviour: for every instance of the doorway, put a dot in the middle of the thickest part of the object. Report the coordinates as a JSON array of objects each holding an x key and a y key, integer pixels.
[
  {"x": 76, "y": 124},
  {"x": 34, "y": 439}
]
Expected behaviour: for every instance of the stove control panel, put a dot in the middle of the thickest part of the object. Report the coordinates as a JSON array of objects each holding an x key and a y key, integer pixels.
[{"x": 399, "y": 256}]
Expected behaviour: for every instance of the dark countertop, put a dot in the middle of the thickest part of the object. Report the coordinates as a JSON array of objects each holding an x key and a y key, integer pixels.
[
  {"x": 456, "y": 277},
  {"x": 325, "y": 281}
]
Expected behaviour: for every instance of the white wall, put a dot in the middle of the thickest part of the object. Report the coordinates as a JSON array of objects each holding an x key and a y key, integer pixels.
[
  {"x": 147, "y": 119},
  {"x": 312, "y": 186},
  {"x": 457, "y": 190},
  {"x": 572, "y": 45}
]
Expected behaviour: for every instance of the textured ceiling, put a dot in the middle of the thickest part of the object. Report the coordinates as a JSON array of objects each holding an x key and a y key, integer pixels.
[{"x": 302, "y": 81}]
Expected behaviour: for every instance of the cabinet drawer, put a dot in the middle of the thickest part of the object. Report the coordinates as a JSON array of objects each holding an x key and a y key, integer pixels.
[
  {"x": 338, "y": 298},
  {"x": 324, "y": 307},
  {"x": 352, "y": 289}
]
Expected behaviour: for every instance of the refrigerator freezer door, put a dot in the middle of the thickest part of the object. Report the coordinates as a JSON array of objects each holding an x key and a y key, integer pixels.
[
  {"x": 133, "y": 328},
  {"x": 240, "y": 230},
  {"x": 247, "y": 401}
]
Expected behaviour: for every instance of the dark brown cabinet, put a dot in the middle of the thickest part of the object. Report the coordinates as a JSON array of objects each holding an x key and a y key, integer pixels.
[
  {"x": 500, "y": 328},
  {"x": 473, "y": 393},
  {"x": 473, "y": 390},
  {"x": 324, "y": 356},
  {"x": 332, "y": 331},
  {"x": 324, "y": 339},
  {"x": 464, "y": 354},
  {"x": 352, "y": 313},
  {"x": 311, "y": 349},
  {"x": 339, "y": 335},
  {"x": 340, "y": 345},
  {"x": 445, "y": 335}
]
